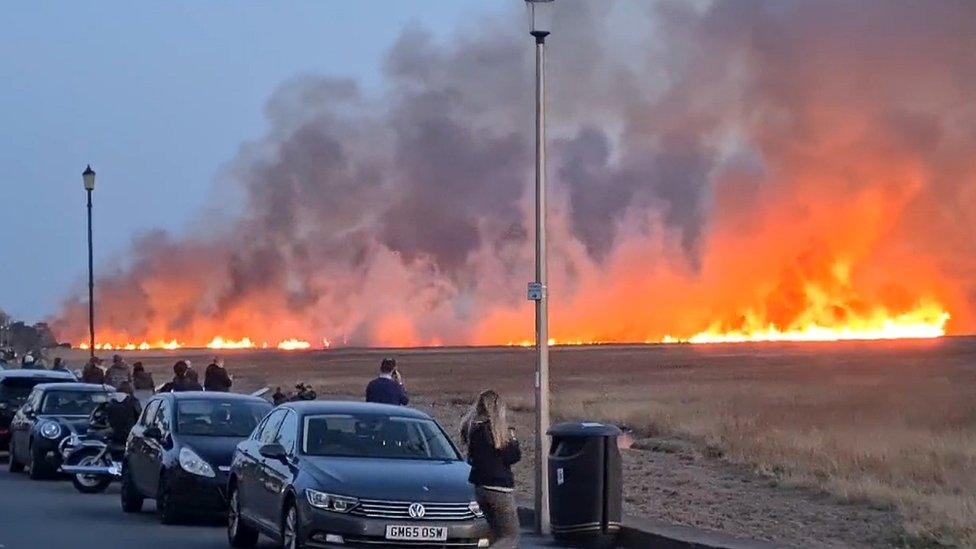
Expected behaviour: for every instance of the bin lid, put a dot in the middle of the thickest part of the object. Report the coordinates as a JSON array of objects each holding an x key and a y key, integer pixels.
[{"x": 584, "y": 429}]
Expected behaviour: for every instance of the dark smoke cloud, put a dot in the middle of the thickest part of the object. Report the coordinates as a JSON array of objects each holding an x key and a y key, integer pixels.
[{"x": 675, "y": 125}]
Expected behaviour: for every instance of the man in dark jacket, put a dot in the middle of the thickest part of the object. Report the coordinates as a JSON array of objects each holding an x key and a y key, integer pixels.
[
  {"x": 216, "y": 378},
  {"x": 183, "y": 379},
  {"x": 388, "y": 387},
  {"x": 93, "y": 373},
  {"x": 141, "y": 379},
  {"x": 117, "y": 416},
  {"x": 59, "y": 365}
]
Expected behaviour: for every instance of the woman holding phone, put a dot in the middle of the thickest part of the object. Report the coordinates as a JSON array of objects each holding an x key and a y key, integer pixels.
[{"x": 492, "y": 450}]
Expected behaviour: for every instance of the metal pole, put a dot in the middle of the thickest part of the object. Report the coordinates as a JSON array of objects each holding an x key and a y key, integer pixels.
[
  {"x": 91, "y": 283},
  {"x": 542, "y": 304}
]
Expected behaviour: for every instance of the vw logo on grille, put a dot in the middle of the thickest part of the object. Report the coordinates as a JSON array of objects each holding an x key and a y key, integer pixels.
[{"x": 416, "y": 510}]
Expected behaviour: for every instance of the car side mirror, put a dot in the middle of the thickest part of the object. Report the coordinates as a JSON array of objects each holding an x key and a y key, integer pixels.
[
  {"x": 273, "y": 451},
  {"x": 30, "y": 414},
  {"x": 153, "y": 432}
]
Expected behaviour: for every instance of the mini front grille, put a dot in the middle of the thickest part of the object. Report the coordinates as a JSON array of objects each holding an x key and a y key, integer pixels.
[{"x": 401, "y": 510}]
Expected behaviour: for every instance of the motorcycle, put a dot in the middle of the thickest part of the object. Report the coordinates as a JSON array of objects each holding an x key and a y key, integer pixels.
[
  {"x": 302, "y": 392},
  {"x": 93, "y": 461}
]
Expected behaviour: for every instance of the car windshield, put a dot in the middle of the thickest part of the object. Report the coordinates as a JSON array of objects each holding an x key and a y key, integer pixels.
[
  {"x": 72, "y": 403},
  {"x": 366, "y": 435},
  {"x": 16, "y": 389},
  {"x": 219, "y": 418}
]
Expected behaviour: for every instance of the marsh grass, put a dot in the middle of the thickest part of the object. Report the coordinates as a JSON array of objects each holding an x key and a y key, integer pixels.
[
  {"x": 889, "y": 424},
  {"x": 907, "y": 447}
]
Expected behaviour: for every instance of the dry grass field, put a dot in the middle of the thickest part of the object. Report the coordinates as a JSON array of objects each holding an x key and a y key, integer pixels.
[{"x": 843, "y": 444}]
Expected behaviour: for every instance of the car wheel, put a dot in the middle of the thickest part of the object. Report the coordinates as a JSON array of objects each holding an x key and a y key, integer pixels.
[
  {"x": 131, "y": 498},
  {"x": 13, "y": 465},
  {"x": 239, "y": 534},
  {"x": 168, "y": 513},
  {"x": 37, "y": 470},
  {"x": 289, "y": 528}
]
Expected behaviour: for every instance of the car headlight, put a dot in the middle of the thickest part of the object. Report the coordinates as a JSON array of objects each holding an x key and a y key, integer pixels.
[
  {"x": 330, "y": 502},
  {"x": 194, "y": 464},
  {"x": 476, "y": 509},
  {"x": 50, "y": 430}
]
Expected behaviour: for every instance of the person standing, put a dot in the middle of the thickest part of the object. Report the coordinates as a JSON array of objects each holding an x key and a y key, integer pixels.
[
  {"x": 183, "y": 379},
  {"x": 216, "y": 378},
  {"x": 118, "y": 372},
  {"x": 141, "y": 379},
  {"x": 93, "y": 373},
  {"x": 388, "y": 387},
  {"x": 117, "y": 416},
  {"x": 192, "y": 379},
  {"x": 492, "y": 450},
  {"x": 27, "y": 363},
  {"x": 59, "y": 365}
]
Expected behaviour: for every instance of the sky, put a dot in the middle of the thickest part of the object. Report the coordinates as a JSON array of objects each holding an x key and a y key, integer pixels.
[{"x": 158, "y": 97}]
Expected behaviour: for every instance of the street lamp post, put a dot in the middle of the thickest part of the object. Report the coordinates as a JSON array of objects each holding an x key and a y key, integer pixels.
[
  {"x": 540, "y": 12},
  {"x": 89, "y": 178}
]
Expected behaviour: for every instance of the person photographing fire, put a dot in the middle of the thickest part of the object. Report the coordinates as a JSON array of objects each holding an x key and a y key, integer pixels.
[
  {"x": 216, "y": 377},
  {"x": 388, "y": 387}
]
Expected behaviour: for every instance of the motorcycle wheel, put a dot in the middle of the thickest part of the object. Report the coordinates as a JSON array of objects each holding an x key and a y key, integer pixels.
[{"x": 89, "y": 484}]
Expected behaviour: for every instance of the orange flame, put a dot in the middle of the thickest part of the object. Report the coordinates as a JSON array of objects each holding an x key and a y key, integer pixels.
[
  {"x": 217, "y": 342},
  {"x": 927, "y": 321},
  {"x": 294, "y": 344}
]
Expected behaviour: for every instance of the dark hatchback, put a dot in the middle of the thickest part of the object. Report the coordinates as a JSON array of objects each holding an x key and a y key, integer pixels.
[
  {"x": 319, "y": 473},
  {"x": 15, "y": 386},
  {"x": 180, "y": 451},
  {"x": 52, "y": 412}
]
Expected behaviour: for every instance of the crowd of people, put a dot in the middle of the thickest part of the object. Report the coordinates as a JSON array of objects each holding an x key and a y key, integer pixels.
[
  {"x": 491, "y": 445},
  {"x": 30, "y": 360},
  {"x": 185, "y": 378}
]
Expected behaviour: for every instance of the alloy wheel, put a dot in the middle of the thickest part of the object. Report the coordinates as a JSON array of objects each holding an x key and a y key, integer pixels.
[
  {"x": 239, "y": 534},
  {"x": 233, "y": 514},
  {"x": 164, "y": 504},
  {"x": 290, "y": 531},
  {"x": 13, "y": 465}
]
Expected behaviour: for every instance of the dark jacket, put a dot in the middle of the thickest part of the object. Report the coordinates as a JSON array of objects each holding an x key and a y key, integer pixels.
[
  {"x": 92, "y": 374},
  {"x": 386, "y": 391},
  {"x": 143, "y": 381},
  {"x": 120, "y": 417},
  {"x": 489, "y": 465},
  {"x": 180, "y": 384},
  {"x": 117, "y": 374},
  {"x": 216, "y": 379}
]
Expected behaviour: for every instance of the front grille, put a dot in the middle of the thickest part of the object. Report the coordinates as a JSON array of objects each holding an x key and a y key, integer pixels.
[{"x": 372, "y": 508}]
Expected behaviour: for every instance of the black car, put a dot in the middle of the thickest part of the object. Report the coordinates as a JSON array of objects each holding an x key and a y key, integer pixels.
[
  {"x": 352, "y": 474},
  {"x": 15, "y": 386},
  {"x": 52, "y": 412},
  {"x": 180, "y": 451}
]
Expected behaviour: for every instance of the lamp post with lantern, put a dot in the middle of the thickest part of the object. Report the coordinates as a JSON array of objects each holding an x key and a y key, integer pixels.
[{"x": 88, "y": 176}]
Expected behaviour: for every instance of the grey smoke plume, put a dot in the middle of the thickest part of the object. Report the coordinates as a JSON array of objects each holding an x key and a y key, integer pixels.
[{"x": 701, "y": 151}]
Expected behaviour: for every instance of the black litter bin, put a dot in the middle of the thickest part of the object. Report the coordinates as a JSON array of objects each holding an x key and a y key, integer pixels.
[{"x": 585, "y": 483}]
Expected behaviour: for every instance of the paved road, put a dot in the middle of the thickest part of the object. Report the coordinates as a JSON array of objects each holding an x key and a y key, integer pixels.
[{"x": 52, "y": 514}]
